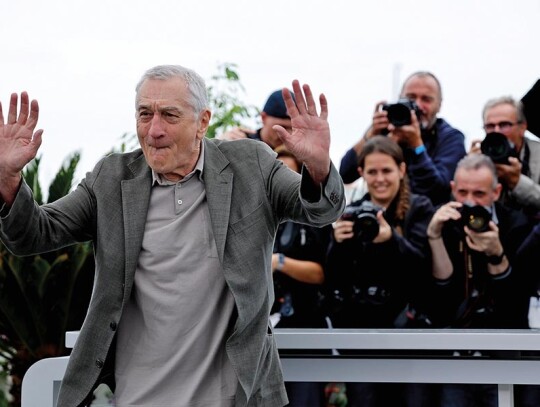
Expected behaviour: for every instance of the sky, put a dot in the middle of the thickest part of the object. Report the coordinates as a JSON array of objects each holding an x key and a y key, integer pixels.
[{"x": 82, "y": 59}]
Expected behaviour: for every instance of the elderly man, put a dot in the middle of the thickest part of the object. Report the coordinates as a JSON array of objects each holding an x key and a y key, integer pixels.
[{"x": 183, "y": 230}]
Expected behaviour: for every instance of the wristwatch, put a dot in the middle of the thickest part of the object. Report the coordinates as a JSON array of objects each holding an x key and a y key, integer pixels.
[{"x": 495, "y": 260}]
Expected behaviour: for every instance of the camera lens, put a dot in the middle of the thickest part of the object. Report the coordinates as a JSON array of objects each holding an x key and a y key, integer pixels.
[
  {"x": 477, "y": 223},
  {"x": 399, "y": 114},
  {"x": 366, "y": 227},
  {"x": 498, "y": 148},
  {"x": 476, "y": 218}
]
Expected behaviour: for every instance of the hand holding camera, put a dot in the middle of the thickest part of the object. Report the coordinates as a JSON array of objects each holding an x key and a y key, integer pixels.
[
  {"x": 404, "y": 122},
  {"x": 447, "y": 212},
  {"x": 399, "y": 113},
  {"x": 366, "y": 222}
]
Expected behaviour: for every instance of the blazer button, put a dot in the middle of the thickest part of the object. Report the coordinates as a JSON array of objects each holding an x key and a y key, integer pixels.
[
  {"x": 113, "y": 326},
  {"x": 99, "y": 363}
]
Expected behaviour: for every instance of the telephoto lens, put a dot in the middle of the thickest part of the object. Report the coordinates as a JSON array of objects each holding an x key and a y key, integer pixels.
[{"x": 497, "y": 147}]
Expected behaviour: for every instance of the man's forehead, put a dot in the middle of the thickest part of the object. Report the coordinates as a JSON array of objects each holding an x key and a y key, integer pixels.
[
  {"x": 501, "y": 109},
  {"x": 466, "y": 176},
  {"x": 162, "y": 91},
  {"x": 422, "y": 84}
]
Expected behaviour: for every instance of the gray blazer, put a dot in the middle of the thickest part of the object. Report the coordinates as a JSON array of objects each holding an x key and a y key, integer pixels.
[{"x": 249, "y": 193}]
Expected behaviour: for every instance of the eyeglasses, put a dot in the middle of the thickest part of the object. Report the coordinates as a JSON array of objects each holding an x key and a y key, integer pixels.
[{"x": 503, "y": 126}]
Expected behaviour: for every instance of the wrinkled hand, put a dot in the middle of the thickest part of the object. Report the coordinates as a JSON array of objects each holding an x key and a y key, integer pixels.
[
  {"x": 309, "y": 140},
  {"x": 18, "y": 143}
]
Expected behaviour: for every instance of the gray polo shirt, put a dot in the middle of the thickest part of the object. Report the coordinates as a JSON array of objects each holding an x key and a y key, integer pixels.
[{"x": 171, "y": 338}]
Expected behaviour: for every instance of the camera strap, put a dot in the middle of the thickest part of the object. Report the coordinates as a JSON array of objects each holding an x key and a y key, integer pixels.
[{"x": 474, "y": 299}]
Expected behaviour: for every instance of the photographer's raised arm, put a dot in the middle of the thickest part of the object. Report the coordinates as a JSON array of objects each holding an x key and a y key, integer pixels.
[{"x": 18, "y": 144}]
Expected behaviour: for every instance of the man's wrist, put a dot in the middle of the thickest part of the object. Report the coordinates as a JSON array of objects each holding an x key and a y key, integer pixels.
[
  {"x": 495, "y": 260},
  {"x": 9, "y": 186}
]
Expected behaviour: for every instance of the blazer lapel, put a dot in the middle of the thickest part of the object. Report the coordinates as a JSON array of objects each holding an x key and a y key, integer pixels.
[
  {"x": 218, "y": 181},
  {"x": 135, "y": 201}
]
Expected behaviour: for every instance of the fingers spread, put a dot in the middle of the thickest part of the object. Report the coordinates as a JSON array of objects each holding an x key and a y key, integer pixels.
[
  {"x": 12, "y": 114},
  {"x": 311, "y": 107},
  {"x": 34, "y": 114},
  {"x": 37, "y": 139},
  {"x": 23, "y": 113},
  {"x": 324, "y": 106},
  {"x": 282, "y": 133},
  {"x": 289, "y": 102},
  {"x": 299, "y": 95}
]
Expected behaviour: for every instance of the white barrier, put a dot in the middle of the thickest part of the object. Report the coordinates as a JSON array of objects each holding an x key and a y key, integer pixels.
[{"x": 41, "y": 382}]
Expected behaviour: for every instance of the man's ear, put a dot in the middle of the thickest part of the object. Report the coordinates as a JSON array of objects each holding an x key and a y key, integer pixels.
[
  {"x": 204, "y": 122},
  {"x": 263, "y": 116},
  {"x": 497, "y": 191}
]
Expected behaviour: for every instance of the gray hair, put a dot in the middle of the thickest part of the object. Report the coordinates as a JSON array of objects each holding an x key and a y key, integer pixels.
[
  {"x": 475, "y": 162},
  {"x": 195, "y": 83},
  {"x": 424, "y": 74},
  {"x": 505, "y": 100}
]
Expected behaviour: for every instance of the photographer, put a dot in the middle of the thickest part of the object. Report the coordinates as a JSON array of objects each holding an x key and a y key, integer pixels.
[
  {"x": 377, "y": 279},
  {"x": 517, "y": 158},
  {"x": 432, "y": 147},
  {"x": 473, "y": 241}
]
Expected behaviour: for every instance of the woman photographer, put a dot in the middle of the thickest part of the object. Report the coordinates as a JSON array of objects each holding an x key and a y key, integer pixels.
[{"x": 377, "y": 280}]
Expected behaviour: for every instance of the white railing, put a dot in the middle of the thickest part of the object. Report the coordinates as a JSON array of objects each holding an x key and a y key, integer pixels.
[{"x": 42, "y": 381}]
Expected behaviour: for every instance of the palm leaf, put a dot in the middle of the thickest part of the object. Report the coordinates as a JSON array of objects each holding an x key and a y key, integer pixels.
[{"x": 63, "y": 181}]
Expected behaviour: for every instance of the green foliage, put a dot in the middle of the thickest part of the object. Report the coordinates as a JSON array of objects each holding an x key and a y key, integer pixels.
[
  {"x": 224, "y": 91},
  {"x": 42, "y": 296}
]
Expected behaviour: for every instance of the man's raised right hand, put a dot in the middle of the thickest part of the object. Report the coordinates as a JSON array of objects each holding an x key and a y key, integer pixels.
[{"x": 18, "y": 143}]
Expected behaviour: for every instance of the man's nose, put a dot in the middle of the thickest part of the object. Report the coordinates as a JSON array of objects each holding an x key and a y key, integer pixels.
[{"x": 156, "y": 128}]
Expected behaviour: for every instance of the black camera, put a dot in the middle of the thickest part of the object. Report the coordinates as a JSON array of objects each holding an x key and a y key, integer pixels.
[
  {"x": 475, "y": 217},
  {"x": 399, "y": 113},
  {"x": 364, "y": 216},
  {"x": 498, "y": 148}
]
